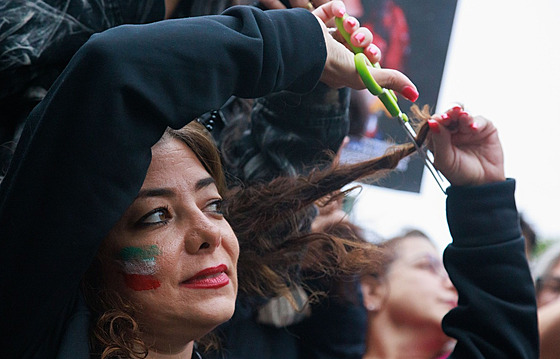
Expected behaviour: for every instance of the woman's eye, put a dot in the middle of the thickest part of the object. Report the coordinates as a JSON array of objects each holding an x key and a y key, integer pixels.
[
  {"x": 215, "y": 207},
  {"x": 156, "y": 216}
]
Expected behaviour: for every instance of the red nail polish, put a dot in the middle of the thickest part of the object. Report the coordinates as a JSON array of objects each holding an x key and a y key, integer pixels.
[
  {"x": 457, "y": 108},
  {"x": 445, "y": 117},
  {"x": 434, "y": 126},
  {"x": 410, "y": 93},
  {"x": 341, "y": 12},
  {"x": 351, "y": 21},
  {"x": 359, "y": 37},
  {"x": 372, "y": 50},
  {"x": 475, "y": 126}
]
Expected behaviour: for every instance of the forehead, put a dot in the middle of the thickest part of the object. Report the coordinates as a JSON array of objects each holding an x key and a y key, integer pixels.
[
  {"x": 412, "y": 247},
  {"x": 173, "y": 162}
]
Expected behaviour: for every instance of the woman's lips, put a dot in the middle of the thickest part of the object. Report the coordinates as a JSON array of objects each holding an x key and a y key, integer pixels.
[{"x": 209, "y": 278}]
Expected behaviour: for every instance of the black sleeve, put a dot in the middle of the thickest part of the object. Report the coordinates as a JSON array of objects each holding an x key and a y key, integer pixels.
[
  {"x": 497, "y": 315},
  {"x": 86, "y": 147}
]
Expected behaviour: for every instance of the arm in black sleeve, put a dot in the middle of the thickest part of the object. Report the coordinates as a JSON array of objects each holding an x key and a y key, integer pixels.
[
  {"x": 86, "y": 147},
  {"x": 496, "y": 316}
]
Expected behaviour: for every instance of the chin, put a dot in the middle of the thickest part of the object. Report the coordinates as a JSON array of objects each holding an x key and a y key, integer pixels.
[
  {"x": 212, "y": 322},
  {"x": 218, "y": 313}
]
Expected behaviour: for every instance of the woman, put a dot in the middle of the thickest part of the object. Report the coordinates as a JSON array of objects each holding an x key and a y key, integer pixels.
[
  {"x": 407, "y": 300},
  {"x": 171, "y": 258},
  {"x": 86, "y": 149},
  {"x": 111, "y": 105}
]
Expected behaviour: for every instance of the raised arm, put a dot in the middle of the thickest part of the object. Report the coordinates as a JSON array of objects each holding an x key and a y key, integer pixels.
[
  {"x": 496, "y": 315},
  {"x": 85, "y": 149}
]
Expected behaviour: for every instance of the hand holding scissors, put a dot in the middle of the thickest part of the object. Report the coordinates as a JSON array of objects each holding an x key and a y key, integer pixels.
[{"x": 389, "y": 100}]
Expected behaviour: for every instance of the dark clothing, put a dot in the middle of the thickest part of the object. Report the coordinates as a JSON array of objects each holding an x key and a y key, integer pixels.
[
  {"x": 496, "y": 316},
  {"x": 288, "y": 134},
  {"x": 38, "y": 38},
  {"x": 335, "y": 329},
  {"x": 85, "y": 149}
]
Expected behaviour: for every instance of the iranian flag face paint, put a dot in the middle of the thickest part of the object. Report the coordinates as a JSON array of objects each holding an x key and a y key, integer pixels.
[{"x": 139, "y": 266}]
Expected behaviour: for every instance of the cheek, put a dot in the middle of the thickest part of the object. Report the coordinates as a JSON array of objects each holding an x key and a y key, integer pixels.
[
  {"x": 139, "y": 267},
  {"x": 419, "y": 287}
]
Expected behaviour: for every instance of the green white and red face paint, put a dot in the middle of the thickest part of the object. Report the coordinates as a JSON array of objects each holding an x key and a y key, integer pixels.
[{"x": 139, "y": 266}]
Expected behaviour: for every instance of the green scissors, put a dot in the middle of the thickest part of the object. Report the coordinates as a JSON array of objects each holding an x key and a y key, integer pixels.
[{"x": 389, "y": 100}]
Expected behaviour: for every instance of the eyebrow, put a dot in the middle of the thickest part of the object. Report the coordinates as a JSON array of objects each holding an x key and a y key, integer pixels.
[
  {"x": 205, "y": 182},
  {"x": 166, "y": 192}
]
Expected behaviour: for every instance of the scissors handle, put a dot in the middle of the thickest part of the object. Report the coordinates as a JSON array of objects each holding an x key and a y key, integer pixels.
[{"x": 388, "y": 98}]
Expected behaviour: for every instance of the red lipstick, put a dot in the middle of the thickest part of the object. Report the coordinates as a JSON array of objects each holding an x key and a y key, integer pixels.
[{"x": 209, "y": 278}]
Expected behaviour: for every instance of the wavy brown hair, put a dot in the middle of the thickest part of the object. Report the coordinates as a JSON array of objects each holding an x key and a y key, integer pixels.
[{"x": 266, "y": 218}]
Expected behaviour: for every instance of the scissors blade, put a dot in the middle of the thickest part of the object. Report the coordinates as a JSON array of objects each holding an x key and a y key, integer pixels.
[{"x": 428, "y": 162}]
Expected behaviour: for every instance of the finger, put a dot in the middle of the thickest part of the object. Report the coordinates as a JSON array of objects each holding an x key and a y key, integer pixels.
[
  {"x": 396, "y": 81},
  {"x": 351, "y": 24},
  {"x": 373, "y": 53},
  {"x": 272, "y": 4},
  {"x": 362, "y": 37},
  {"x": 330, "y": 10},
  {"x": 456, "y": 120}
]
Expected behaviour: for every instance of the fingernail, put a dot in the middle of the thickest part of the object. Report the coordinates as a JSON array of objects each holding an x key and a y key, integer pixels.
[
  {"x": 372, "y": 50},
  {"x": 359, "y": 37},
  {"x": 445, "y": 117},
  {"x": 341, "y": 12},
  {"x": 410, "y": 93},
  {"x": 457, "y": 108},
  {"x": 475, "y": 126},
  {"x": 351, "y": 21},
  {"x": 434, "y": 126}
]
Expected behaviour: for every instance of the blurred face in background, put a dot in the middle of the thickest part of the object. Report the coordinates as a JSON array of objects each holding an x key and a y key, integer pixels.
[
  {"x": 548, "y": 286},
  {"x": 416, "y": 290},
  {"x": 419, "y": 289}
]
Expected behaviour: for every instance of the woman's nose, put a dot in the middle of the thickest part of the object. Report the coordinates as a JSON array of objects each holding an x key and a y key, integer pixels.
[{"x": 202, "y": 234}]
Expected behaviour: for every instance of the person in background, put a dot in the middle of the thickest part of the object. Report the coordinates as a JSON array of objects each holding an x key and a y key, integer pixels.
[
  {"x": 407, "y": 300},
  {"x": 546, "y": 273}
]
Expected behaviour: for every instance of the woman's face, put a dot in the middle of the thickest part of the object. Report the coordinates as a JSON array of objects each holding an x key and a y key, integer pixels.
[
  {"x": 173, "y": 254},
  {"x": 549, "y": 287},
  {"x": 418, "y": 289}
]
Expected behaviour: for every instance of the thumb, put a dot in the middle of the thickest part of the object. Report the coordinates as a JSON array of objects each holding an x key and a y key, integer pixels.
[{"x": 396, "y": 81}]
